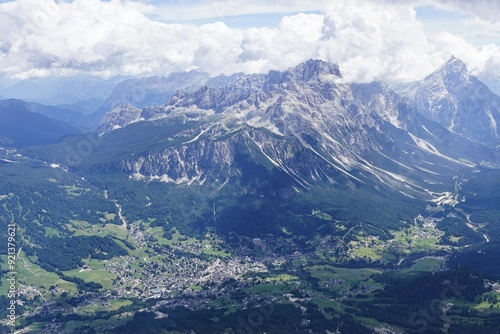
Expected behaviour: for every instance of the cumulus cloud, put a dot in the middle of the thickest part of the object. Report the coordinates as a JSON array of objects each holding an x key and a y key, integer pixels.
[
  {"x": 379, "y": 39},
  {"x": 42, "y": 37},
  {"x": 481, "y": 60},
  {"x": 371, "y": 41}
]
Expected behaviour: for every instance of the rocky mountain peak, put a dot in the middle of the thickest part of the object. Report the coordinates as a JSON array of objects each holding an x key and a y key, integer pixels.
[
  {"x": 455, "y": 64},
  {"x": 119, "y": 117},
  {"x": 452, "y": 71},
  {"x": 314, "y": 69},
  {"x": 458, "y": 101}
]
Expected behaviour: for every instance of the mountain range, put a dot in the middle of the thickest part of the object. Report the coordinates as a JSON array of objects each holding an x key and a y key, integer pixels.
[
  {"x": 305, "y": 124},
  {"x": 311, "y": 126},
  {"x": 196, "y": 203},
  {"x": 153, "y": 91},
  {"x": 286, "y": 134}
]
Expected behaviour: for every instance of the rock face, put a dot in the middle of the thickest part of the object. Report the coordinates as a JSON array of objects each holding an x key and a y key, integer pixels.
[
  {"x": 458, "y": 101},
  {"x": 144, "y": 92},
  {"x": 119, "y": 117},
  {"x": 154, "y": 91},
  {"x": 305, "y": 126}
]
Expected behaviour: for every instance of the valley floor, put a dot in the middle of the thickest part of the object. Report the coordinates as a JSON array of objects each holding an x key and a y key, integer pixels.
[{"x": 337, "y": 277}]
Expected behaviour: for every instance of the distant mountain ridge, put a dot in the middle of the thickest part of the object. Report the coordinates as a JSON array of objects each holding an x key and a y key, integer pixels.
[
  {"x": 61, "y": 90},
  {"x": 57, "y": 113},
  {"x": 20, "y": 127},
  {"x": 154, "y": 91}
]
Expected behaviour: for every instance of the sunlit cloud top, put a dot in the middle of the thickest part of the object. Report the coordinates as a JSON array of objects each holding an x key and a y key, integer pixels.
[{"x": 370, "y": 40}]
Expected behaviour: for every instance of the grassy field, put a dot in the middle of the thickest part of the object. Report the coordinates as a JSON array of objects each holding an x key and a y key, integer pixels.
[
  {"x": 97, "y": 273},
  {"x": 79, "y": 227},
  {"x": 416, "y": 239},
  {"x": 74, "y": 190},
  {"x": 324, "y": 303},
  {"x": 281, "y": 278},
  {"x": 269, "y": 289},
  {"x": 324, "y": 272},
  {"x": 177, "y": 237},
  {"x": 428, "y": 264},
  {"x": 211, "y": 248},
  {"x": 35, "y": 328},
  {"x": 49, "y": 232},
  {"x": 374, "y": 253},
  {"x": 30, "y": 274},
  {"x": 195, "y": 287},
  {"x": 120, "y": 319},
  {"x": 410, "y": 239},
  {"x": 216, "y": 252}
]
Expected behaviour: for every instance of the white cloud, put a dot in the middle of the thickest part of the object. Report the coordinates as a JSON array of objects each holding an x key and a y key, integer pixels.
[
  {"x": 482, "y": 60},
  {"x": 41, "y": 37},
  {"x": 204, "y": 9},
  {"x": 369, "y": 40}
]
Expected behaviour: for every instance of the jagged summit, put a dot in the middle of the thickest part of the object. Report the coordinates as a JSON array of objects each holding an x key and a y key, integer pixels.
[
  {"x": 154, "y": 91},
  {"x": 452, "y": 70},
  {"x": 454, "y": 63},
  {"x": 450, "y": 96},
  {"x": 314, "y": 69},
  {"x": 459, "y": 101},
  {"x": 120, "y": 116}
]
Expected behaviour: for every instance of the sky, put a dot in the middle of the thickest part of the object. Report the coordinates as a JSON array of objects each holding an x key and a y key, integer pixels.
[{"x": 388, "y": 40}]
